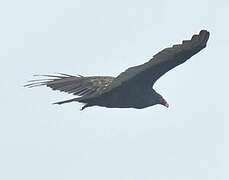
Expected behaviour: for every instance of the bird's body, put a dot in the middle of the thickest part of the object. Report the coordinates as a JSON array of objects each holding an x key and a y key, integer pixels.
[
  {"x": 141, "y": 99},
  {"x": 130, "y": 89}
]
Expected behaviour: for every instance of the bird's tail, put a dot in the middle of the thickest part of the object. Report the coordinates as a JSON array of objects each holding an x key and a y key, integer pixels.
[
  {"x": 74, "y": 99},
  {"x": 66, "y": 101}
]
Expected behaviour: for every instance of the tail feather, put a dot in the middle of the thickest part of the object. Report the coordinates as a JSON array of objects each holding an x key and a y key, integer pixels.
[
  {"x": 71, "y": 100},
  {"x": 66, "y": 101}
]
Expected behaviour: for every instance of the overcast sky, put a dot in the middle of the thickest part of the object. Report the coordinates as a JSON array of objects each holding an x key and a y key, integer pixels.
[{"x": 41, "y": 141}]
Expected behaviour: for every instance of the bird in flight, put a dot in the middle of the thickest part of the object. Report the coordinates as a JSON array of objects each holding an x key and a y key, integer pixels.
[{"x": 132, "y": 88}]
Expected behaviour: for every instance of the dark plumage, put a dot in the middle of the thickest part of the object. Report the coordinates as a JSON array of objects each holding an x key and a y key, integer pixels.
[{"x": 130, "y": 89}]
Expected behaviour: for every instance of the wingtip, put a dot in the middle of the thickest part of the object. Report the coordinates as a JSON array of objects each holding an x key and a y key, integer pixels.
[{"x": 204, "y": 32}]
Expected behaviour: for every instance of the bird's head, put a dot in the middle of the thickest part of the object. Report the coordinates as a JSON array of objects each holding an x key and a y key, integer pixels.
[{"x": 161, "y": 100}]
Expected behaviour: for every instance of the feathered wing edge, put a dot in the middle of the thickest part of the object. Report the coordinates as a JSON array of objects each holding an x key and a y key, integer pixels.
[
  {"x": 148, "y": 73},
  {"x": 76, "y": 85},
  {"x": 171, "y": 57},
  {"x": 53, "y": 81},
  {"x": 47, "y": 80}
]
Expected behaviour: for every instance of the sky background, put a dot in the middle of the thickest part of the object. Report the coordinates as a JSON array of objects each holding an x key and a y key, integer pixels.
[{"x": 38, "y": 140}]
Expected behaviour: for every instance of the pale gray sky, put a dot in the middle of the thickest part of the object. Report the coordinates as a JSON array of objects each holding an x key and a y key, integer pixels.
[{"x": 38, "y": 140}]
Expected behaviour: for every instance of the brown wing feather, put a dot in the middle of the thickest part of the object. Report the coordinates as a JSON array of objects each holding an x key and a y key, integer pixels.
[{"x": 76, "y": 85}]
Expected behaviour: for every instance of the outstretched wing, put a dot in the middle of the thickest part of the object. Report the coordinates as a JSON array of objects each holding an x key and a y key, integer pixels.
[
  {"x": 76, "y": 85},
  {"x": 145, "y": 75}
]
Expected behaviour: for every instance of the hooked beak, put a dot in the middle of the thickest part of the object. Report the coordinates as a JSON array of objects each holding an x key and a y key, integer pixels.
[
  {"x": 162, "y": 101},
  {"x": 166, "y": 105}
]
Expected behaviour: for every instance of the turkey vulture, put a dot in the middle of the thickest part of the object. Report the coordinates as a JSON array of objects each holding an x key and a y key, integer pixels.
[{"x": 130, "y": 89}]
